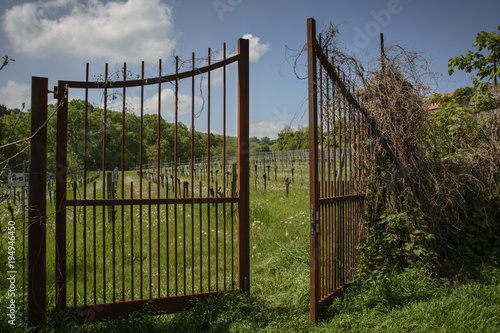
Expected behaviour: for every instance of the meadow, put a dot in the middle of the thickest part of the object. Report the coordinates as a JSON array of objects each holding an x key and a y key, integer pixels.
[{"x": 411, "y": 300}]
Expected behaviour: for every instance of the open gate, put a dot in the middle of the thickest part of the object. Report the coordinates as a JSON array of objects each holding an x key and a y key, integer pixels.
[
  {"x": 336, "y": 176},
  {"x": 166, "y": 231}
]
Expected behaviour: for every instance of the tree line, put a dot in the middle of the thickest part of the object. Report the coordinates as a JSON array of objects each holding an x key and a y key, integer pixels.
[{"x": 15, "y": 127}]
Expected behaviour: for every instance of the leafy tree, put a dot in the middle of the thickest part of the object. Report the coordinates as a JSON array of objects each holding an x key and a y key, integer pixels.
[
  {"x": 3, "y": 110},
  {"x": 301, "y": 138},
  {"x": 14, "y": 129},
  {"x": 482, "y": 60},
  {"x": 266, "y": 140},
  {"x": 290, "y": 140},
  {"x": 263, "y": 147},
  {"x": 285, "y": 139},
  {"x": 463, "y": 95},
  {"x": 254, "y": 147}
]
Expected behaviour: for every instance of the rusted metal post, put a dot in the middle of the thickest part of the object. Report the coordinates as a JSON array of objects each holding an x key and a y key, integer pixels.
[
  {"x": 37, "y": 300},
  {"x": 61, "y": 174},
  {"x": 243, "y": 166},
  {"x": 313, "y": 168},
  {"x": 382, "y": 52}
]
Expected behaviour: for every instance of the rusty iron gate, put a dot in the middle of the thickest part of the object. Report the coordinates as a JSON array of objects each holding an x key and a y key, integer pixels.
[
  {"x": 336, "y": 176},
  {"x": 165, "y": 232}
]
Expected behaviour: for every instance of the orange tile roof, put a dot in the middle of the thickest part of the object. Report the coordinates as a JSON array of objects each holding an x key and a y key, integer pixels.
[{"x": 435, "y": 106}]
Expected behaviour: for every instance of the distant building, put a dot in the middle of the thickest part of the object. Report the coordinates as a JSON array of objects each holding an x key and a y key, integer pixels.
[{"x": 435, "y": 106}]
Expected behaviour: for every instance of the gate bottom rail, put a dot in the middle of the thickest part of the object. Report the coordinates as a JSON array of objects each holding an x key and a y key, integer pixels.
[{"x": 92, "y": 313}]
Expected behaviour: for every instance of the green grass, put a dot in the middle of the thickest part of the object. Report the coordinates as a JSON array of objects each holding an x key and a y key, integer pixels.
[{"x": 413, "y": 300}]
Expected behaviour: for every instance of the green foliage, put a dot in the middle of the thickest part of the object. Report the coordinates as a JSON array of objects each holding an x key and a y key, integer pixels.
[
  {"x": 3, "y": 110},
  {"x": 395, "y": 239},
  {"x": 263, "y": 144},
  {"x": 414, "y": 301},
  {"x": 463, "y": 184},
  {"x": 483, "y": 98},
  {"x": 263, "y": 147},
  {"x": 463, "y": 95},
  {"x": 14, "y": 126},
  {"x": 452, "y": 130},
  {"x": 488, "y": 46},
  {"x": 290, "y": 140},
  {"x": 219, "y": 314}
]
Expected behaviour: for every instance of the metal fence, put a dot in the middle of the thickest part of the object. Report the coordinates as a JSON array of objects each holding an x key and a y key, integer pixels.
[
  {"x": 125, "y": 238},
  {"x": 336, "y": 128}
]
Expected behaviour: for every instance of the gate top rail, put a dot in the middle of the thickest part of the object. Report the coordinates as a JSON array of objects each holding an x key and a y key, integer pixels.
[
  {"x": 150, "y": 81},
  {"x": 327, "y": 65}
]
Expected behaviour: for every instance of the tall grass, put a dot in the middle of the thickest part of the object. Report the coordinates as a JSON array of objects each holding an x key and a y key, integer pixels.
[{"x": 413, "y": 300}]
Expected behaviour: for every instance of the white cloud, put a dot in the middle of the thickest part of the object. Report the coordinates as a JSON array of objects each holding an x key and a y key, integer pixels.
[
  {"x": 131, "y": 30},
  {"x": 257, "y": 49},
  {"x": 14, "y": 94},
  {"x": 267, "y": 128}
]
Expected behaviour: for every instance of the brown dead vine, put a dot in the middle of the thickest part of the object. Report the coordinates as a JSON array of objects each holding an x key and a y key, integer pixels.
[{"x": 447, "y": 172}]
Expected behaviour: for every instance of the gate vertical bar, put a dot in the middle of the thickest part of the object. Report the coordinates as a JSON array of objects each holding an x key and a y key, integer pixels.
[
  {"x": 37, "y": 300},
  {"x": 61, "y": 173},
  {"x": 243, "y": 167},
  {"x": 208, "y": 174},
  {"x": 313, "y": 165},
  {"x": 224, "y": 158},
  {"x": 122, "y": 166},
  {"x": 85, "y": 154}
]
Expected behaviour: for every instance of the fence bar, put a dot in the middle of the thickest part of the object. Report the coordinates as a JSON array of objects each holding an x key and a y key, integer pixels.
[
  {"x": 200, "y": 236},
  {"x": 132, "y": 243},
  {"x": 37, "y": 299},
  {"x": 61, "y": 174},
  {"x": 243, "y": 167},
  {"x": 122, "y": 165},
  {"x": 150, "y": 268},
  {"x": 141, "y": 152},
  {"x": 224, "y": 120},
  {"x": 85, "y": 153},
  {"x": 208, "y": 174},
  {"x": 192, "y": 175},
  {"x": 104, "y": 186},
  {"x": 167, "y": 255},
  {"x": 75, "y": 263},
  {"x": 94, "y": 243}
]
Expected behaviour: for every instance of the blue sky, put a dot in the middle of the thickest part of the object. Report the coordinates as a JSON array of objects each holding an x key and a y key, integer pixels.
[{"x": 55, "y": 38}]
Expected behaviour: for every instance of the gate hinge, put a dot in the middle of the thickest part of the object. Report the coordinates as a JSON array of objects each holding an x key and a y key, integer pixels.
[{"x": 55, "y": 92}]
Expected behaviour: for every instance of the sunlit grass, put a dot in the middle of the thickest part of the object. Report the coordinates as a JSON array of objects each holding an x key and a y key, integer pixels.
[{"x": 413, "y": 300}]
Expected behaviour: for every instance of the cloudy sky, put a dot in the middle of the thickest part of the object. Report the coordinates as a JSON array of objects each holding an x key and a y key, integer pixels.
[{"x": 56, "y": 38}]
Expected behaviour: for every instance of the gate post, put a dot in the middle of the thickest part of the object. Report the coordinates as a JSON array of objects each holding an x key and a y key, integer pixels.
[
  {"x": 243, "y": 166},
  {"x": 37, "y": 300},
  {"x": 313, "y": 169}
]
